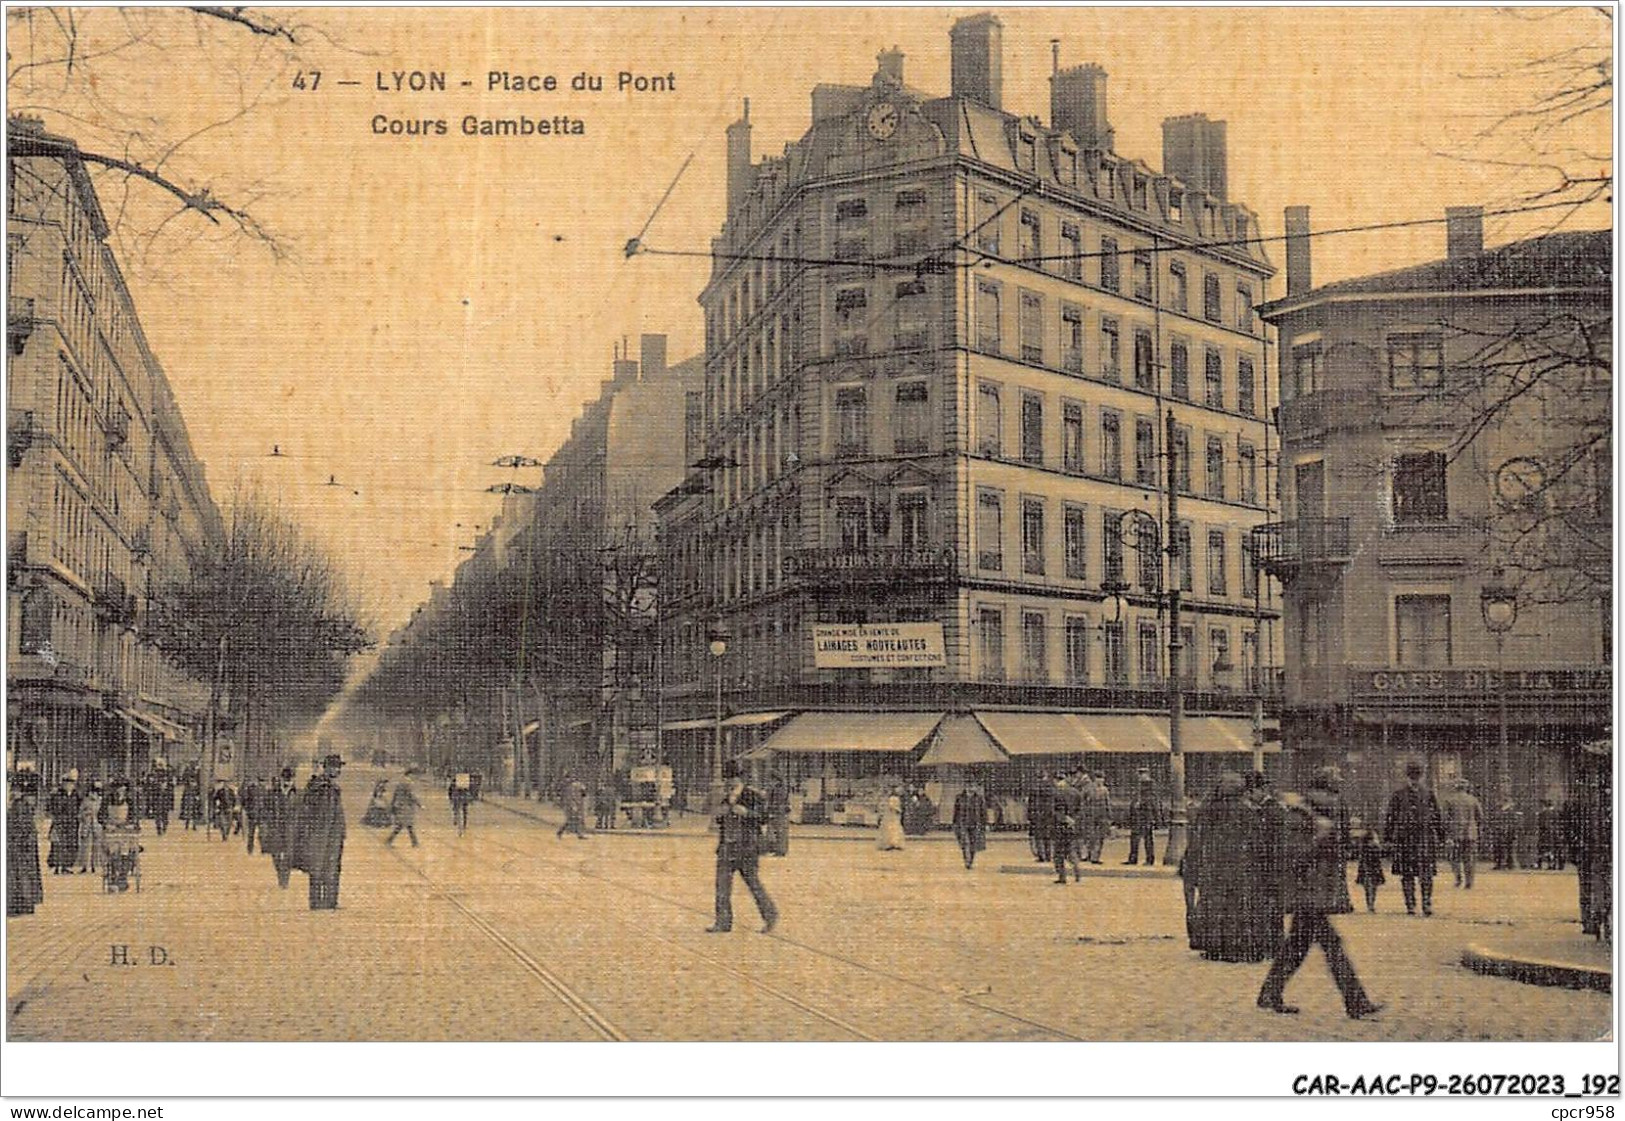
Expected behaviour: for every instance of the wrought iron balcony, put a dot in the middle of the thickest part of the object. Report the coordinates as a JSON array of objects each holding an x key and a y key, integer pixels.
[{"x": 1285, "y": 549}]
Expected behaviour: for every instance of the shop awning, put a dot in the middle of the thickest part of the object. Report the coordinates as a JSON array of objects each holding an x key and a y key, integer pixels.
[
  {"x": 140, "y": 722},
  {"x": 854, "y": 731},
  {"x": 753, "y": 719},
  {"x": 688, "y": 725},
  {"x": 961, "y": 741},
  {"x": 1036, "y": 733},
  {"x": 1202, "y": 734}
]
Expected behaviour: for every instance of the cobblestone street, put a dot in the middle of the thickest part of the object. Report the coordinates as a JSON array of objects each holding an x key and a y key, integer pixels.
[{"x": 507, "y": 933}]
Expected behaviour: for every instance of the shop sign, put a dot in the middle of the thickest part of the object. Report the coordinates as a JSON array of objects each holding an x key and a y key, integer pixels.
[
  {"x": 878, "y": 645},
  {"x": 1459, "y": 682}
]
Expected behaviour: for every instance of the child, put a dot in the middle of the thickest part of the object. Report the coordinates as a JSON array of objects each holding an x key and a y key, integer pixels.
[{"x": 1370, "y": 874}]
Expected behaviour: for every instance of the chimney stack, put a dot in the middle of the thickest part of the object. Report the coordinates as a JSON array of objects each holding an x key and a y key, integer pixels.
[
  {"x": 1464, "y": 231},
  {"x": 654, "y": 356},
  {"x": 1297, "y": 251},
  {"x": 1194, "y": 149},
  {"x": 1077, "y": 104},
  {"x": 740, "y": 172},
  {"x": 977, "y": 44},
  {"x": 891, "y": 66}
]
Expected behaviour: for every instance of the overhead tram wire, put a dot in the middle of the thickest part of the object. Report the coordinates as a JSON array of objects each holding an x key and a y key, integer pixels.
[{"x": 1171, "y": 247}]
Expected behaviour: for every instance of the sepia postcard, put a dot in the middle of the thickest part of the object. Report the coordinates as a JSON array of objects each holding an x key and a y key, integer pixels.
[{"x": 687, "y": 524}]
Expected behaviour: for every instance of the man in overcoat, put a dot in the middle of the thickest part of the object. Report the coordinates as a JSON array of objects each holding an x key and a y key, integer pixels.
[
  {"x": 739, "y": 840},
  {"x": 970, "y": 823},
  {"x": 1314, "y": 885},
  {"x": 158, "y": 796},
  {"x": 1143, "y": 813},
  {"x": 1413, "y": 827},
  {"x": 319, "y": 835},
  {"x": 1464, "y": 817},
  {"x": 278, "y": 807},
  {"x": 1066, "y": 823}
]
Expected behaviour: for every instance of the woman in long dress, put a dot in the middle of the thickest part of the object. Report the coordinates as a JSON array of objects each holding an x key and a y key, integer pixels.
[{"x": 891, "y": 821}]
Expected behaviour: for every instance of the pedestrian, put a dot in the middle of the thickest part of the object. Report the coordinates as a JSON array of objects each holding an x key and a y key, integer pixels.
[
  {"x": 891, "y": 821},
  {"x": 970, "y": 823},
  {"x": 1040, "y": 807},
  {"x": 191, "y": 799},
  {"x": 1549, "y": 837},
  {"x": 158, "y": 796},
  {"x": 90, "y": 828},
  {"x": 603, "y": 806},
  {"x": 1314, "y": 884},
  {"x": 253, "y": 792},
  {"x": 223, "y": 808},
  {"x": 1464, "y": 820},
  {"x": 403, "y": 809},
  {"x": 62, "y": 807},
  {"x": 461, "y": 792},
  {"x": 1143, "y": 814},
  {"x": 1413, "y": 826},
  {"x": 1231, "y": 862},
  {"x": 25, "y": 888},
  {"x": 279, "y": 808},
  {"x": 575, "y": 810},
  {"x": 120, "y": 824},
  {"x": 1369, "y": 874},
  {"x": 739, "y": 826},
  {"x": 776, "y": 835},
  {"x": 1506, "y": 825},
  {"x": 1099, "y": 808},
  {"x": 318, "y": 839},
  {"x": 1065, "y": 822}
]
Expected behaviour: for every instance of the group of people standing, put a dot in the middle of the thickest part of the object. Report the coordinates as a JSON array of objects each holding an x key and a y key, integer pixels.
[{"x": 1069, "y": 819}]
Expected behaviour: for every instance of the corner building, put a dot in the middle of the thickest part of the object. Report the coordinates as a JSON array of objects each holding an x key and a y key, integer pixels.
[{"x": 942, "y": 340}]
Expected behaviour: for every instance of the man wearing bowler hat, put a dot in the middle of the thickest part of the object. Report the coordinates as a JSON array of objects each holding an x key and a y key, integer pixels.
[{"x": 319, "y": 835}]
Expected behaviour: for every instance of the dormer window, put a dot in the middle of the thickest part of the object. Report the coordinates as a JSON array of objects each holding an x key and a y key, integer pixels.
[
  {"x": 1108, "y": 178},
  {"x": 1176, "y": 205},
  {"x": 1140, "y": 193},
  {"x": 1027, "y": 152}
]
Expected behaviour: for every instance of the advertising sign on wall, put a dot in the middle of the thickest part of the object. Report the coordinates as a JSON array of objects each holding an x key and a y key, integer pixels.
[{"x": 878, "y": 645}]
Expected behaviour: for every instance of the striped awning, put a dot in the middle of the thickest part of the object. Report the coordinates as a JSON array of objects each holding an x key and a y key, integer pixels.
[
  {"x": 1073, "y": 733},
  {"x": 961, "y": 741},
  {"x": 854, "y": 731}
]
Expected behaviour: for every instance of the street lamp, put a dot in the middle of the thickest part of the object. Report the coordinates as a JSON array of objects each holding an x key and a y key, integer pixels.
[
  {"x": 719, "y": 648},
  {"x": 1499, "y": 605}
]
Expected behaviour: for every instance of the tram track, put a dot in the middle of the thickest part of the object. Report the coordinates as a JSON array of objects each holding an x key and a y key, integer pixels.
[
  {"x": 643, "y": 933},
  {"x": 580, "y": 869},
  {"x": 584, "y": 1010}
]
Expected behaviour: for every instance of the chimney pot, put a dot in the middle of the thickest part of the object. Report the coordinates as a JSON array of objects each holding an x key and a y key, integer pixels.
[
  {"x": 891, "y": 66},
  {"x": 1195, "y": 149},
  {"x": 654, "y": 356},
  {"x": 1464, "y": 231},
  {"x": 977, "y": 44},
  {"x": 1077, "y": 104},
  {"x": 1297, "y": 251}
]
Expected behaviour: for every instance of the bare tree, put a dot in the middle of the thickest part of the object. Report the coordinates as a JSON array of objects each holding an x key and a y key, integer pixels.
[
  {"x": 266, "y": 618},
  {"x": 88, "y": 74}
]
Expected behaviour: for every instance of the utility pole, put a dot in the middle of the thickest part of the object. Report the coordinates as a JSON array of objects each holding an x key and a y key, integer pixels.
[{"x": 1176, "y": 687}]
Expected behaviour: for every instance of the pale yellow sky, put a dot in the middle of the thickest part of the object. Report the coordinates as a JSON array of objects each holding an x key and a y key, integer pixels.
[{"x": 455, "y": 299}]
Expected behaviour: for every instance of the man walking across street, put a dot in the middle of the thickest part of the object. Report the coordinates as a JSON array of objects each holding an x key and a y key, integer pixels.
[
  {"x": 970, "y": 823},
  {"x": 319, "y": 835},
  {"x": 1413, "y": 827},
  {"x": 253, "y": 791},
  {"x": 1464, "y": 816},
  {"x": 739, "y": 831},
  {"x": 1314, "y": 882}
]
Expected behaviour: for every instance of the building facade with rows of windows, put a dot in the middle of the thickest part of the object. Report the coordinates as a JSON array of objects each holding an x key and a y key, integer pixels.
[
  {"x": 1446, "y": 470},
  {"x": 942, "y": 344},
  {"x": 106, "y": 500}
]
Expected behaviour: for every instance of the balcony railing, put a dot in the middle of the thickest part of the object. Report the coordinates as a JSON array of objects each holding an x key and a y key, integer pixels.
[
  {"x": 880, "y": 563},
  {"x": 1284, "y": 548}
]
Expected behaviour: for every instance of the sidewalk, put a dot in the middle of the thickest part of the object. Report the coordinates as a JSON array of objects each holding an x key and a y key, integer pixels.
[{"x": 1557, "y": 955}]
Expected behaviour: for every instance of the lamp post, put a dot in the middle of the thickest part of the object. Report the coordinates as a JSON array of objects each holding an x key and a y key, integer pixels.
[
  {"x": 719, "y": 648},
  {"x": 1499, "y": 605}
]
